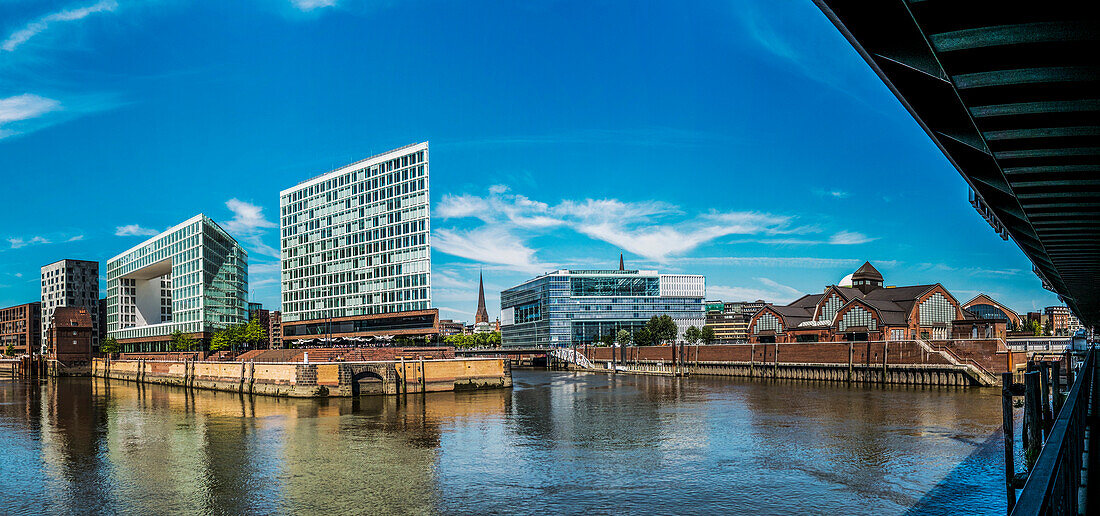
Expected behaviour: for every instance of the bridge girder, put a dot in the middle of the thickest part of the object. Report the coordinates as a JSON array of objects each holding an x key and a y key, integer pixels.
[{"x": 1010, "y": 93}]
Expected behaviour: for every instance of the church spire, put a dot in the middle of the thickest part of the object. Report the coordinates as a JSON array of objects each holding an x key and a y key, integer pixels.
[
  {"x": 621, "y": 267},
  {"x": 482, "y": 315}
]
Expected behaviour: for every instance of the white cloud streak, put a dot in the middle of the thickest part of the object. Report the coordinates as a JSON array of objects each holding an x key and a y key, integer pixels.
[
  {"x": 134, "y": 230},
  {"x": 247, "y": 217},
  {"x": 489, "y": 245},
  {"x": 36, "y": 27},
  {"x": 24, "y": 107},
  {"x": 309, "y": 5},
  {"x": 637, "y": 227},
  {"x": 849, "y": 238},
  {"x": 17, "y": 242},
  {"x": 249, "y": 225}
]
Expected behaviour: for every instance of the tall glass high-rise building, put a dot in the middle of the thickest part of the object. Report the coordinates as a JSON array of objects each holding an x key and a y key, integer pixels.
[
  {"x": 567, "y": 307},
  {"x": 193, "y": 278},
  {"x": 356, "y": 250}
]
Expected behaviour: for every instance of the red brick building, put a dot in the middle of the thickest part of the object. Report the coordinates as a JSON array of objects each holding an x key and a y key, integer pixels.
[
  {"x": 20, "y": 328},
  {"x": 70, "y": 335},
  {"x": 866, "y": 310}
]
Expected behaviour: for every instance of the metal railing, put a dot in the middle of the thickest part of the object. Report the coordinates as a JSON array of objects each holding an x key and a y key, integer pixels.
[
  {"x": 1054, "y": 485},
  {"x": 572, "y": 356}
]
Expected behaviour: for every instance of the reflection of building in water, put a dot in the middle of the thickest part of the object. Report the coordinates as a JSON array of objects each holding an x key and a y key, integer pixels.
[
  {"x": 228, "y": 453},
  {"x": 71, "y": 448}
]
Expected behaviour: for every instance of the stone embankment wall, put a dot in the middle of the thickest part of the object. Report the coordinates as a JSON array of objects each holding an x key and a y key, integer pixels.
[
  {"x": 314, "y": 379},
  {"x": 961, "y": 362}
]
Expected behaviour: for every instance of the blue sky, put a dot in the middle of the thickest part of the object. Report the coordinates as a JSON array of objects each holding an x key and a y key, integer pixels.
[{"x": 743, "y": 140}]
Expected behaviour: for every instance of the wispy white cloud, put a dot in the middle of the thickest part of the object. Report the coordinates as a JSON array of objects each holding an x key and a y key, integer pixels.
[
  {"x": 309, "y": 5},
  {"x": 134, "y": 230},
  {"x": 24, "y": 107},
  {"x": 76, "y": 238},
  {"x": 969, "y": 271},
  {"x": 771, "y": 291},
  {"x": 834, "y": 193},
  {"x": 19, "y": 275},
  {"x": 36, "y": 27},
  {"x": 642, "y": 228},
  {"x": 18, "y": 242},
  {"x": 263, "y": 268},
  {"x": 849, "y": 238},
  {"x": 774, "y": 261},
  {"x": 489, "y": 245},
  {"x": 249, "y": 225},
  {"x": 455, "y": 311},
  {"x": 246, "y": 217}
]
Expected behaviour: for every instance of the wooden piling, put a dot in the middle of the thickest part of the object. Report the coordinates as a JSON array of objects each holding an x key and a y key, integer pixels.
[
  {"x": 885, "y": 348},
  {"x": 752, "y": 358},
  {"x": 1056, "y": 381},
  {"x": 1033, "y": 416},
  {"x": 851, "y": 352},
  {"x": 1006, "y": 417},
  {"x": 1044, "y": 396}
]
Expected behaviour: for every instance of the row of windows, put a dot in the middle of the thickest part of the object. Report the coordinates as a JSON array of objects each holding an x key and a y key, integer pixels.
[
  {"x": 937, "y": 309},
  {"x": 362, "y": 173},
  {"x": 857, "y": 317}
]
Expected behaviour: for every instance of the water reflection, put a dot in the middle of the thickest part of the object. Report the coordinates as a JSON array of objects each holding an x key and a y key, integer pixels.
[{"x": 557, "y": 442}]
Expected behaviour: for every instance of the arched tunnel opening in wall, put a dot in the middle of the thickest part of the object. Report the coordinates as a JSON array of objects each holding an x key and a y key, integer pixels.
[{"x": 366, "y": 383}]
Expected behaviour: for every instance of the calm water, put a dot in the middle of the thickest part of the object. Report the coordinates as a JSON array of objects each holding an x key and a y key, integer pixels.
[{"x": 556, "y": 443}]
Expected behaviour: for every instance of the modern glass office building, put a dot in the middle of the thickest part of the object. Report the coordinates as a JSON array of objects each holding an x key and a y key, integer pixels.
[
  {"x": 193, "y": 278},
  {"x": 567, "y": 307},
  {"x": 356, "y": 250}
]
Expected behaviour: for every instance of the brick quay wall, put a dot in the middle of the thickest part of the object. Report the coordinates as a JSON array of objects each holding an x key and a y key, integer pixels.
[
  {"x": 958, "y": 362},
  {"x": 314, "y": 379}
]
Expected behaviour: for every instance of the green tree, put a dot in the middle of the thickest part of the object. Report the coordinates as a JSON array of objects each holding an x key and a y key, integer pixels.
[
  {"x": 109, "y": 345},
  {"x": 10, "y": 350},
  {"x": 623, "y": 338},
  {"x": 221, "y": 340},
  {"x": 692, "y": 335},
  {"x": 707, "y": 334},
  {"x": 494, "y": 339},
  {"x": 643, "y": 337},
  {"x": 181, "y": 341},
  {"x": 253, "y": 333},
  {"x": 607, "y": 340},
  {"x": 661, "y": 329},
  {"x": 1034, "y": 327}
]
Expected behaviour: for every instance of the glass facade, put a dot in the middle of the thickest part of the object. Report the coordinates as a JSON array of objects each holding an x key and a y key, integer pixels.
[
  {"x": 830, "y": 308},
  {"x": 986, "y": 311},
  {"x": 767, "y": 321},
  {"x": 192, "y": 278},
  {"x": 355, "y": 241},
  {"x": 937, "y": 310},
  {"x": 569, "y": 307},
  {"x": 857, "y": 316}
]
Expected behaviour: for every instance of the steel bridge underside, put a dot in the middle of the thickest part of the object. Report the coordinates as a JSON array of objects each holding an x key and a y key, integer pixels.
[{"x": 1009, "y": 91}]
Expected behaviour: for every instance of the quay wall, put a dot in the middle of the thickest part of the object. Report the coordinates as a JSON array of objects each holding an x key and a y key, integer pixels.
[
  {"x": 314, "y": 379},
  {"x": 956, "y": 362}
]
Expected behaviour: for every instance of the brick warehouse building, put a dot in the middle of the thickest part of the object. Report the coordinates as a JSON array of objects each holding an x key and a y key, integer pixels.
[
  {"x": 71, "y": 335},
  {"x": 20, "y": 327},
  {"x": 867, "y": 310}
]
